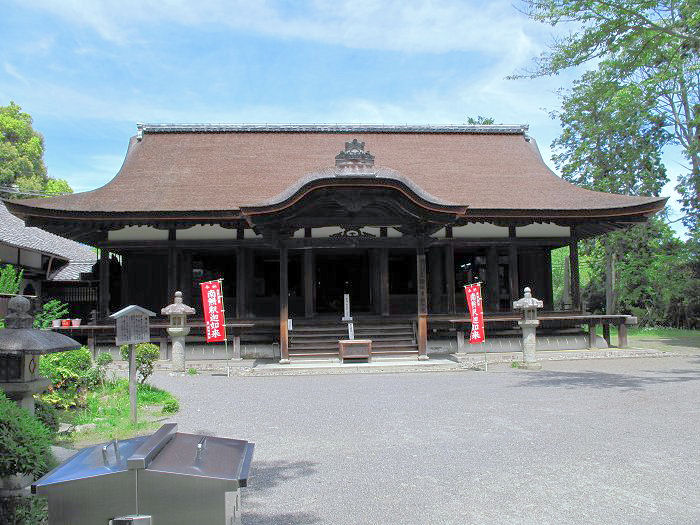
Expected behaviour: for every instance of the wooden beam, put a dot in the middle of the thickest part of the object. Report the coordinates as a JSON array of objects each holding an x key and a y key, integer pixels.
[
  {"x": 284, "y": 304},
  {"x": 124, "y": 291},
  {"x": 384, "y": 281},
  {"x": 172, "y": 274},
  {"x": 450, "y": 278},
  {"x": 548, "y": 291},
  {"x": 309, "y": 282}
]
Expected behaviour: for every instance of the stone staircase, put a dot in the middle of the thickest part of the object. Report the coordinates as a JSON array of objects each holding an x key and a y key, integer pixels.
[{"x": 319, "y": 339}]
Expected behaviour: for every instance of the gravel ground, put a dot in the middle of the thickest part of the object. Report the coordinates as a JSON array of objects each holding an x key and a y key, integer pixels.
[{"x": 600, "y": 441}]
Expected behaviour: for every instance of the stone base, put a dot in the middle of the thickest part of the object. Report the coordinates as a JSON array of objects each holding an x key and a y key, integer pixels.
[
  {"x": 423, "y": 357},
  {"x": 284, "y": 361},
  {"x": 535, "y": 365}
]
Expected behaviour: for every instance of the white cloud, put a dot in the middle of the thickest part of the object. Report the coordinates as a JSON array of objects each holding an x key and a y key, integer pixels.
[
  {"x": 418, "y": 26},
  {"x": 10, "y": 70}
]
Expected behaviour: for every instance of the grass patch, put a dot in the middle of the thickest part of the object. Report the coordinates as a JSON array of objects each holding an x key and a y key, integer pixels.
[
  {"x": 660, "y": 332},
  {"x": 109, "y": 409}
]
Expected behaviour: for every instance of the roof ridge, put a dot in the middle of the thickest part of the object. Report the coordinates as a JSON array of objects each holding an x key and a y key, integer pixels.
[{"x": 331, "y": 128}]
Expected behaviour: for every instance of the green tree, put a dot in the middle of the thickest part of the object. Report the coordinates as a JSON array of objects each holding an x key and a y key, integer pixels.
[
  {"x": 652, "y": 45},
  {"x": 478, "y": 121},
  {"x": 21, "y": 148},
  {"x": 611, "y": 141},
  {"x": 22, "y": 158}
]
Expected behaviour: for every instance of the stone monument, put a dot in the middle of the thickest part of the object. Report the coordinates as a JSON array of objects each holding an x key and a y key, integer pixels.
[
  {"x": 529, "y": 324},
  {"x": 178, "y": 330}
]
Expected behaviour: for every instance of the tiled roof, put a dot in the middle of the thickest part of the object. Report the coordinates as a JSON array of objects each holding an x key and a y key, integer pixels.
[
  {"x": 14, "y": 233},
  {"x": 201, "y": 168}
]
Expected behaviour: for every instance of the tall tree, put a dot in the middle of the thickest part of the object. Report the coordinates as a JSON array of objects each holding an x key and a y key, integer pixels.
[
  {"x": 649, "y": 44},
  {"x": 22, "y": 169},
  {"x": 21, "y": 148},
  {"x": 611, "y": 141}
]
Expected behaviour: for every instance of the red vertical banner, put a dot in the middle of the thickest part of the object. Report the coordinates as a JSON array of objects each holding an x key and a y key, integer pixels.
[
  {"x": 213, "y": 308},
  {"x": 476, "y": 310}
]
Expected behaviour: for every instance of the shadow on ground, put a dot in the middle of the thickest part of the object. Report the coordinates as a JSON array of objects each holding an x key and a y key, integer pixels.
[
  {"x": 592, "y": 379},
  {"x": 266, "y": 476}
]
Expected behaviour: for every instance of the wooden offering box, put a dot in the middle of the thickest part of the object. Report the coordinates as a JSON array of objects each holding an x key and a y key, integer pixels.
[{"x": 355, "y": 349}]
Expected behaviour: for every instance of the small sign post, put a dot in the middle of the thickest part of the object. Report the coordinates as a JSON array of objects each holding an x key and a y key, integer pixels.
[
  {"x": 132, "y": 328},
  {"x": 347, "y": 317}
]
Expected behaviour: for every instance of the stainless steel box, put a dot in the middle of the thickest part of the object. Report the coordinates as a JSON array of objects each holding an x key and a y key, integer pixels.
[{"x": 175, "y": 478}]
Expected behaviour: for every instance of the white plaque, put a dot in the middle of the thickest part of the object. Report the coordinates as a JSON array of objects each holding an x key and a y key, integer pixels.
[
  {"x": 346, "y": 307},
  {"x": 133, "y": 329}
]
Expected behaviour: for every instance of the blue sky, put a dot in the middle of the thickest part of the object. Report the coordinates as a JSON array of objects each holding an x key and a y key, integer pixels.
[{"x": 87, "y": 71}]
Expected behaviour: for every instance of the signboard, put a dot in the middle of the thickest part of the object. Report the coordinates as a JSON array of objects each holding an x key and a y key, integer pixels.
[
  {"x": 346, "y": 307},
  {"x": 213, "y": 307},
  {"x": 132, "y": 325},
  {"x": 133, "y": 329},
  {"x": 476, "y": 310}
]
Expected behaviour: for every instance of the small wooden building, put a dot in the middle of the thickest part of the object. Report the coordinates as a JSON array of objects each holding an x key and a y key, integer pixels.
[{"x": 292, "y": 217}]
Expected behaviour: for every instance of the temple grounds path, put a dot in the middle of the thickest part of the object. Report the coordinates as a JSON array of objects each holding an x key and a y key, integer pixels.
[{"x": 597, "y": 441}]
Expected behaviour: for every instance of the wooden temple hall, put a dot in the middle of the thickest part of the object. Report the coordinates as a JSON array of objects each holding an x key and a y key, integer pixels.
[{"x": 294, "y": 216}]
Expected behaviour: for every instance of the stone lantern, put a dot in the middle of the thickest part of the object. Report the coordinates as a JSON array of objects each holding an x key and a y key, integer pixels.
[
  {"x": 178, "y": 329},
  {"x": 20, "y": 348},
  {"x": 529, "y": 324}
]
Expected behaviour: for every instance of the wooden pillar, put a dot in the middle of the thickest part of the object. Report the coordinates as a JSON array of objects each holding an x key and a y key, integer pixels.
[
  {"x": 492, "y": 279},
  {"x": 185, "y": 276},
  {"x": 241, "y": 282},
  {"x": 436, "y": 286},
  {"x": 450, "y": 277},
  {"x": 513, "y": 277},
  {"x": 573, "y": 263},
  {"x": 591, "y": 334},
  {"x": 422, "y": 297},
  {"x": 548, "y": 297},
  {"x": 172, "y": 274},
  {"x": 309, "y": 282},
  {"x": 104, "y": 283},
  {"x": 622, "y": 335},
  {"x": 124, "y": 291},
  {"x": 384, "y": 281},
  {"x": 284, "y": 304},
  {"x": 606, "y": 332}
]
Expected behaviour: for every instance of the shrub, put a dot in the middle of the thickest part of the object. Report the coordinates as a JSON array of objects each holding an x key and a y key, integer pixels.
[
  {"x": 23, "y": 510},
  {"x": 25, "y": 442},
  {"x": 70, "y": 374},
  {"x": 146, "y": 356},
  {"x": 10, "y": 279},
  {"x": 192, "y": 371},
  {"x": 104, "y": 359},
  {"x": 47, "y": 414},
  {"x": 171, "y": 406},
  {"x": 50, "y": 310}
]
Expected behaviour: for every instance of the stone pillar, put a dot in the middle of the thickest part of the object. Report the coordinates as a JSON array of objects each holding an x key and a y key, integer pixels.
[{"x": 284, "y": 304}]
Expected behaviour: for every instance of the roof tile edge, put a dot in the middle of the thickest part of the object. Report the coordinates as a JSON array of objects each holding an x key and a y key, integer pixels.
[{"x": 331, "y": 128}]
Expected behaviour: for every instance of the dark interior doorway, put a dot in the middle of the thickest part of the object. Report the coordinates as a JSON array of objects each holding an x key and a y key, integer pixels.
[{"x": 340, "y": 273}]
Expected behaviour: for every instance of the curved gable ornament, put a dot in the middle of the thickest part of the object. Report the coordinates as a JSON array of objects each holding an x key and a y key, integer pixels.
[{"x": 355, "y": 160}]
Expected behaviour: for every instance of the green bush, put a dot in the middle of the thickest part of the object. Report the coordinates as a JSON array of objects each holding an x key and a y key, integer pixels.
[
  {"x": 47, "y": 414},
  {"x": 171, "y": 406},
  {"x": 50, "y": 310},
  {"x": 146, "y": 356},
  {"x": 10, "y": 279},
  {"x": 24, "y": 441},
  {"x": 23, "y": 510},
  {"x": 104, "y": 359},
  {"x": 71, "y": 374}
]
